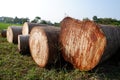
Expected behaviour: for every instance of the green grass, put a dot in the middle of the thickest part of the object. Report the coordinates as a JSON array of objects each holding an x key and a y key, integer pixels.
[
  {"x": 14, "y": 66},
  {"x": 5, "y": 25}
]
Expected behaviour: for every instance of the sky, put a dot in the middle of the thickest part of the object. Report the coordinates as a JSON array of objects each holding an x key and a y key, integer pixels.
[{"x": 56, "y": 10}]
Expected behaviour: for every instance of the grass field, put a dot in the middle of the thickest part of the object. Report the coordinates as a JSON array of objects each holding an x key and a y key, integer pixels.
[
  {"x": 5, "y": 25},
  {"x": 14, "y": 66}
]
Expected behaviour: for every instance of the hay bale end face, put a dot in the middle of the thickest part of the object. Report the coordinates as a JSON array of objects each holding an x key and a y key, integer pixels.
[
  {"x": 27, "y": 27},
  {"x": 43, "y": 45},
  {"x": 3, "y": 33},
  {"x": 12, "y": 33},
  {"x": 85, "y": 44},
  {"x": 23, "y": 44}
]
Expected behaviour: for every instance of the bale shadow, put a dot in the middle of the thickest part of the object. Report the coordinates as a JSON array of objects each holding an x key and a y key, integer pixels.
[
  {"x": 60, "y": 64},
  {"x": 109, "y": 69}
]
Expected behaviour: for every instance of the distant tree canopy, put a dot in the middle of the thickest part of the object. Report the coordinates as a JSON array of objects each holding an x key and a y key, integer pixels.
[
  {"x": 37, "y": 19},
  {"x": 57, "y": 24},
  {"x": 46, "y": 22},
  {"x": 7, "y": 19},
  {"x": 20, "y": 20},
  {"x": 15, "y": 20},
  {"x": 106, "y": 21}
]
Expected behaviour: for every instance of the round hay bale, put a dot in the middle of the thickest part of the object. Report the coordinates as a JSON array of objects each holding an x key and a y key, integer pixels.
[
  {"x": 27, "y": 27},
  {"x": 3, "y": 33},
  {"x": 44, "y": 45},
  {"x": 23, "y": 44},
  {"x": 12, "y": 33},
  {"x": 85, "y": 44}
]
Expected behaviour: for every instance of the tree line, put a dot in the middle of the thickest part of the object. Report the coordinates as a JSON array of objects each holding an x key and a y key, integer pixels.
[
  {"x": 37, "y": 19},
  {"x": 17, "y": 20},
  {"x": 106, "y": 21}
]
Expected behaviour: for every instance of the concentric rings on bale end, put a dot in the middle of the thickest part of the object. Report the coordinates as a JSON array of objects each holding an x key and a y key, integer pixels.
[
  {"x": 83, "y": 43},
  {"x": 39, "y": 46}
]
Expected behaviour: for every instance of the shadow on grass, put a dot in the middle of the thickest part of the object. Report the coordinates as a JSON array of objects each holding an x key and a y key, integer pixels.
[
  {"x": 59, "y": 65},
  {"x": 110, "y": 69}
]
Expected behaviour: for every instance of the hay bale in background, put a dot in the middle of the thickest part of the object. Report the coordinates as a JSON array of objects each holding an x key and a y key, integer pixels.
[
  {"x": 23, "y": 44},
  {"x": 12, "y": 33},
  {"x": 85, "y": 44},
  {"x": 43, "y": 43},
  {"x": 3, "y": 33},
  {"x": 27, "y": 27}
]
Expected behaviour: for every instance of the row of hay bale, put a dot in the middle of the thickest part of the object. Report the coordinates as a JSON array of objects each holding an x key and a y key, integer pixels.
[
  {"x": 39, "y": 40},
  {"x": 84, "y": 44}
]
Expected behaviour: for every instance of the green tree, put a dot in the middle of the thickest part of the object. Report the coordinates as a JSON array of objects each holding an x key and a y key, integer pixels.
[
  {"x": 56, "y": 24},
  {"x": 37, "y": 17},
  {"x": 25, "y": 20},
  {"x": 43, "y": 22},
  {"x": 95, "y": 19},
  {"x": 106, "y": 21},
  {"x": 36, "y": 20},
  {"x": 16, "y": 20}
]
